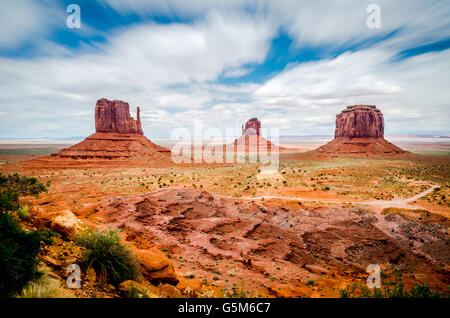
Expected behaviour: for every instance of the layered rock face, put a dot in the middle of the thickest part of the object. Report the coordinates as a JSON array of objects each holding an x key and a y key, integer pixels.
[
  {"x": 252, "y": 127},
  {"x": 360, "y": 121},
  {"x": 114, "y": 116},
  {"x": 359, "y": 132},
  {"x": 118, "y": 136}
]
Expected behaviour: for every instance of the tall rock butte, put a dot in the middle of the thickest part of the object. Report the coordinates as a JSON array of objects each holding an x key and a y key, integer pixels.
[
  {"x": 252, "y": 141},
  {"x": 359, "y": 132},
  {"x": 252, "y": 127},
  {"x": 114, "y": 116},
  {"x": 117, "y": 136}
]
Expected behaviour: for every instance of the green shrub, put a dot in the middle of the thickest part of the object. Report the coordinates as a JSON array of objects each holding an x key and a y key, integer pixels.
[
  {"x": 138, "y": 292},
  {"x": 22, "y": 213},
  {"x": 112, "y": 260},
  {"x": 12, "y": 186},
  {"x": 393, "y": 289},
  {"x": 18, "y": 248},
  {"x": 43, "y": 287},
  {"x": 18, "y": 252}
]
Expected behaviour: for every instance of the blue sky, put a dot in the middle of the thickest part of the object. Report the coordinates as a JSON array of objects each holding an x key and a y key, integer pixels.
[{"x": 293, "y": 64}]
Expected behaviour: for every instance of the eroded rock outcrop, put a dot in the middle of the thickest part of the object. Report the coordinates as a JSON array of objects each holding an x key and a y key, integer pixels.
[
  {"x": 117, "y": 136},
  {"x": 252, "y": 141},
  {"x": 114, "y": 116},
  {"x": 252, "y": 127},
  {"x": 360, "y": 121},
  {"x": 359, "y": 132}
]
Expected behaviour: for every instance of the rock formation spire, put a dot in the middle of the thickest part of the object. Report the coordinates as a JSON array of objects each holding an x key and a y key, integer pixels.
[
  {"x": 252, "y": 127},
  {"x": 114, "y": 116}
]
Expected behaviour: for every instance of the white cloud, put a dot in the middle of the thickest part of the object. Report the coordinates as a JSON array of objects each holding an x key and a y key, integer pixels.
[
  {"x": 150, "y": 65},
  {"x": 171, "y": 70},
  {"x": 236, "y": 72},
  {"x": 319, "y": 22},
  {"x": 312, "y": 93},
  {"x": 22, "y": 20}
]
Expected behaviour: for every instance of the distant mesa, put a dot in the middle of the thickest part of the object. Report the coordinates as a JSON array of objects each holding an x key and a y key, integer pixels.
[
  {"x": 359, "y": 132},
  {"x": 252, "y": 141},
  {"x": 252, "y": 127},
  {"x": 117, "y": 136}
]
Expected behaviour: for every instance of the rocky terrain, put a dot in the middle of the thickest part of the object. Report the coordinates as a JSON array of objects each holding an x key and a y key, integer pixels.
[
  {"x": 275, "y": 247},
  {"x": 118, "y": 136},
  {"x": 359, "y": 132}
]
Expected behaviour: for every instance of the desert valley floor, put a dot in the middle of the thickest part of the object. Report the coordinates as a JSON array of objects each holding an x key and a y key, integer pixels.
[{"x": 309, "y": 230}]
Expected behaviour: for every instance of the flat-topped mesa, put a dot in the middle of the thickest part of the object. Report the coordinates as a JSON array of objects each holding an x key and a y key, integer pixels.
[
  {"x": 114, "y": 116},
  {"x": 252, "y": 127},
  {"x": 360, "y": 121},
  {"x": 359, "y": 132}
]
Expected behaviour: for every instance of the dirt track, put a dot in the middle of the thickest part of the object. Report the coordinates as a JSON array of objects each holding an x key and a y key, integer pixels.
[{"x": 400, "y": 203}]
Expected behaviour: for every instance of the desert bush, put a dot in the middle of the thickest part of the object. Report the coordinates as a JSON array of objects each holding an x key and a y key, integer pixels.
[
  {"x": 18, "y": 248},
  {"x": 112, "y": 260},
  {"x": 22, "y": 213},
  {"x": 43, "y": 287},
  {"x": 139, "y": 292},
  {"x": 18, "y": 252},
  {"x": 393, "y": 289}
]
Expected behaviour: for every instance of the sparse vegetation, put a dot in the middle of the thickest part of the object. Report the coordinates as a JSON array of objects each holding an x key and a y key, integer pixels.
[
  {"x": 43, "y": 287},
  {"x": 18, "y": 248},
  {"x": 112, "y": 261},
  {"x": 393, "y": 289}
]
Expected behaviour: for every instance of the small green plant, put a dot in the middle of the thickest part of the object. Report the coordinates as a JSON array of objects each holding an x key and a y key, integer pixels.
[
  {"x": 22, "y": 213},
  {"x": 138, "y": 292},
  {"x": 107, "y": 256},
  {"x": 394, "y": 289},
  {"x": 43, "y": 287}
]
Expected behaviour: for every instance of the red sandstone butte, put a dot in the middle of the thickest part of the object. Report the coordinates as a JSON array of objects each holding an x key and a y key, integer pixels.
[
  {"x": 117, "y": 136},
  {"x": 252, "y": 127},
  {"x": 252, "y": 141},
  {"x": 360, "y": 121},
  {"x": 359, "y": 132},
  {"x": 114, "y": 116}
]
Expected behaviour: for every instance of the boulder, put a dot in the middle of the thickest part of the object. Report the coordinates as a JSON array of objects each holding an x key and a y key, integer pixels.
[
  {"x": 169, "y": 291},
  {"x": 66, "y": 223},
  {"x": 156, "y": 267},
  {"x": 194, "y": 284}
]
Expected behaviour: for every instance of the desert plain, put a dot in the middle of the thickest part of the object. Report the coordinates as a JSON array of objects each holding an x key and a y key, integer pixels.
[{"x": 308, "y": 229}]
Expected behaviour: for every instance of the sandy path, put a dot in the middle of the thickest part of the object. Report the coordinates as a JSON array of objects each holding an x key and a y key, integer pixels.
[{"x": 403, "y": 203}]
